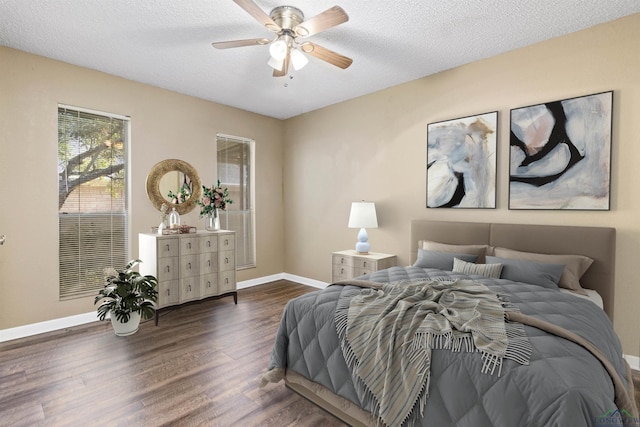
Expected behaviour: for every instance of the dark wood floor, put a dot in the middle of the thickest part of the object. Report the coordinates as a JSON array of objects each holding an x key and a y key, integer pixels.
[{"x": 199, "y": 367}]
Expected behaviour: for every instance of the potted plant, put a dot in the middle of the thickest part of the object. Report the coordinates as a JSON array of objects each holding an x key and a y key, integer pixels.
[{"x": 128, "y": 296}]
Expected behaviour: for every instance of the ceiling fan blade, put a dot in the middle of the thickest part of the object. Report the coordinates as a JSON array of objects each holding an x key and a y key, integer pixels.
[
  {"x": 254, "y": 10},
  {"x": 327, "y": 55},
  {"x": 240, "y": 43},
  {"x": 325, "y": 20},
  {"x": 285, "y": 66}
]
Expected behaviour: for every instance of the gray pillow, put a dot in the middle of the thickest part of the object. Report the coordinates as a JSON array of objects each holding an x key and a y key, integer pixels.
[
  {"x": 535, "y": 273},
  {"x": 440, "y": 260}
]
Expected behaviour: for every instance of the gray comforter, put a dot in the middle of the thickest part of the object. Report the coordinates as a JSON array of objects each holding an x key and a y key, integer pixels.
[{"x": 564, "y": 385}]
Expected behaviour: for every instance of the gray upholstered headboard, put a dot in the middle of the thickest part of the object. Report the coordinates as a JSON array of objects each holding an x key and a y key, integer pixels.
[{"x": 598, "y": 243}]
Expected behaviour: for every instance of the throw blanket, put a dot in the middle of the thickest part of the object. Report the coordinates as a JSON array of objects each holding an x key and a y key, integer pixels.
[{"x": 387, "y": 336}]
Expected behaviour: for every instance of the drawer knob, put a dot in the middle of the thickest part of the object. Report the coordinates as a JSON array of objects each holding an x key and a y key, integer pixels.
[
  {"x": 364, "y": 264},
  {"x": 168, "y": 248},
  {"x": 168, "y": 268},
  {"x": 189, "y": 266}
]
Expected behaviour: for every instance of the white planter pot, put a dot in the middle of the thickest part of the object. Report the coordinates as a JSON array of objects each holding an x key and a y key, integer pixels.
[{"x": 127, "y": 328}]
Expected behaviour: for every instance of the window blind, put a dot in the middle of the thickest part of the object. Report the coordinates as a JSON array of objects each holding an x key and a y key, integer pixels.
[
  {"x": 92, "y": 198},
  {"x": 235, "y": 171}
]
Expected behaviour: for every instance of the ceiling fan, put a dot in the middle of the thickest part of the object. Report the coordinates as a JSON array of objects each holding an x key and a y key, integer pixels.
[{"x": 289, "y": 25}]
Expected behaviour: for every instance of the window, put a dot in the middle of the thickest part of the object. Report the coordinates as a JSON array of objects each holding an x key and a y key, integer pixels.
[
  {"x": 92, "y": 198},
  {"x": 235, "y": 171}
]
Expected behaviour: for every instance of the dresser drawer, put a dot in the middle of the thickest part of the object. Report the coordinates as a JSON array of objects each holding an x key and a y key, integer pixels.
[
  {"x": 189, "y": 246},
  {"x": 209, "y": 285},
  {"x": 168, "y": 293},
  {"x": 190, "y": 289},
  {"x": 208, "y": 244},
  {"x": 227, "y": 281},
  {"x": 226, "y": 242},
  {"x": 227, "y": 260},
  {"x": 168, "y": 268},
  {"x": 190, "y": 265},
  {"x": 168, "y": 248},
  {"x": 208, "y": 262}
]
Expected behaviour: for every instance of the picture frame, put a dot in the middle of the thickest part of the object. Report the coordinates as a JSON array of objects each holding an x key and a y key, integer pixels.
[
  {"x": 560, "y": 154},
  {"x": 461, "y": 162}
]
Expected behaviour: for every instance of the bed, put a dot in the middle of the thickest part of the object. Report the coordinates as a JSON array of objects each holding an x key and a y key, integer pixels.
[{"x": 574, "y": 373}]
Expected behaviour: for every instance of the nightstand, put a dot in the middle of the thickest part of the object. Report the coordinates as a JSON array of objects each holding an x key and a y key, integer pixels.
[{"x": 350, "y": 264}]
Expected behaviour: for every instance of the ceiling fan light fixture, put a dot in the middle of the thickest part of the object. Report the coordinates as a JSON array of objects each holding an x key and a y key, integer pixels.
[
  {"x": 276, "y": 64},
  {"x": 298, "y": 60},
  {"x": 278, "y": 49}
]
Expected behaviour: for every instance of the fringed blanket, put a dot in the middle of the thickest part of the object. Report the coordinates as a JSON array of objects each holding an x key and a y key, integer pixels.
[{"x": 387, "y": 336}]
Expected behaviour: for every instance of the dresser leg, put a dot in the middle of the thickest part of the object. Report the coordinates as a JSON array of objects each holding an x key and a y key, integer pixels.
[{"x": 235, "y": 298}]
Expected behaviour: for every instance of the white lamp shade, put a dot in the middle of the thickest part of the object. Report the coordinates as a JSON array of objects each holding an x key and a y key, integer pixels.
[
  {"x": 276, "y": 64},
  {"x": 363, "y": 215},
  {"x": 278, "y": 49},
  {"x": 298, "y": 60}
]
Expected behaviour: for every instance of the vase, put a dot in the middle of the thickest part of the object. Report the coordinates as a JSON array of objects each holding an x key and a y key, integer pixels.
[{"x": 212, "y": 222}]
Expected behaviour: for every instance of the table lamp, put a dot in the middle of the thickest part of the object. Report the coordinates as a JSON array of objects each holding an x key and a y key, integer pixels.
[{"x": 363, "y": 215}]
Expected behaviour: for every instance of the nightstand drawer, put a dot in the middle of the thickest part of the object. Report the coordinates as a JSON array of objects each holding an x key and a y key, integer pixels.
[
  {"x": 364, "y": 264},
  {"x": 342, "y": 260},
  {"x": 340, "y": 272}
]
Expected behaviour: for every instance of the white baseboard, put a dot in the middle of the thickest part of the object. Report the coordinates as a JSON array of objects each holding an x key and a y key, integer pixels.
[
  {"x": 81, "y": 319},
  {"x": 47, "y": 326},
  {"x": 305, "y": 281},
  {"x": 259, "y": 281}
]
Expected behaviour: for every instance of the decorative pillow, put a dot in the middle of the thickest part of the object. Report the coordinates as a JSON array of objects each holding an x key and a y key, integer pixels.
[
  {"x": 440, "y": 260},
  {"x": 477, "y": 250},
  {"x": 575, "y": 265},
  {"x": 536, "y": 273},
  {"x": 487, "y": 270}
]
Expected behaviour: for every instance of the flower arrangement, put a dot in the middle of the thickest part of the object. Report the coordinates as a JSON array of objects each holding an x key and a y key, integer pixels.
[
  {"x": 181, "y": 195},
  {"x": 214, "y": 198}
]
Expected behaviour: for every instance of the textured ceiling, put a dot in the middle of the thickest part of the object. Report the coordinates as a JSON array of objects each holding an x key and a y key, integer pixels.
[{"x": 167, "y": 43}]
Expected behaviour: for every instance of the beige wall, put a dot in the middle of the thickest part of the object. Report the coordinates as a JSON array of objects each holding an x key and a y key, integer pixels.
[
  {"x": 374, "y": 148},
  {"x": 164, "y": 125}
]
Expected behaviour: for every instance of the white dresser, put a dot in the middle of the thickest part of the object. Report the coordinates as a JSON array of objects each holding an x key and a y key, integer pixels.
[{"x": 191, "y": 266}]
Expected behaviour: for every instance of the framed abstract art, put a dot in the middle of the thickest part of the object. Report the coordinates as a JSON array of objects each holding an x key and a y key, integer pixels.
[
  {"x": 461, "y": 162},
  {"x": 560, "y": 154}
]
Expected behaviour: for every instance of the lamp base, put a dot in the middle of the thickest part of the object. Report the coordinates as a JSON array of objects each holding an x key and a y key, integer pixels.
[{"x": 363, "y": 246}]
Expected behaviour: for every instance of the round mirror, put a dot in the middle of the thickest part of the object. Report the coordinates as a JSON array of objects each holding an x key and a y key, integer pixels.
[{"x": 174, "y": 183}]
